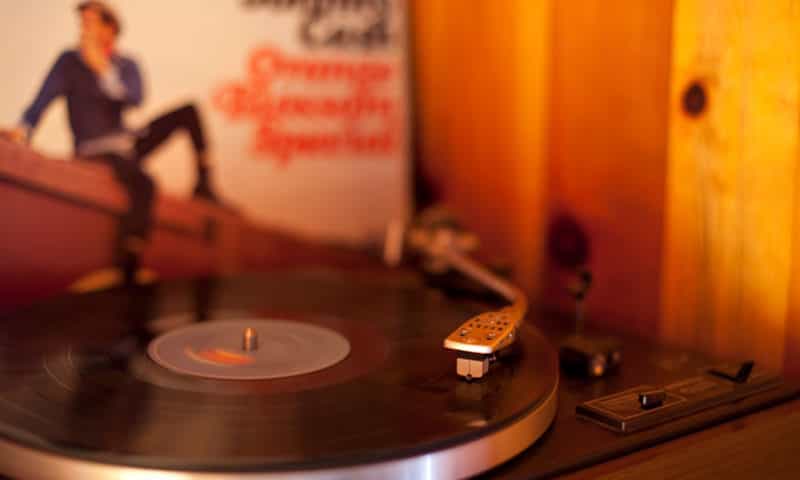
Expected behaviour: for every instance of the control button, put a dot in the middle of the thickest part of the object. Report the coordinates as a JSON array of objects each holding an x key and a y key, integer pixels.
[
  {"x": 652, "y": 399},
  {"x": 744, "y": 372},
  {"x": 736, "y": 373}
]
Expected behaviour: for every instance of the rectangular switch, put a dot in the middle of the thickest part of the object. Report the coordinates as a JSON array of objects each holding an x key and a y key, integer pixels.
[{"x": 646, "y": 406}]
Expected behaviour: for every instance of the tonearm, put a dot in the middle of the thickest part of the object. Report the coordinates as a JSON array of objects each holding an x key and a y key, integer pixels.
[{"x": 478, "y": 339}]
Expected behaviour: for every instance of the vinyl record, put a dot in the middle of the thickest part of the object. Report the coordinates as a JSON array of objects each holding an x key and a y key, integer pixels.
[{"x": 81, "y": 396}]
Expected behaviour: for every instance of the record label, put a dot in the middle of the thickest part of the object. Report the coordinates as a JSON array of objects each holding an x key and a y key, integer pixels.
[{"x": 279, "y": 349}]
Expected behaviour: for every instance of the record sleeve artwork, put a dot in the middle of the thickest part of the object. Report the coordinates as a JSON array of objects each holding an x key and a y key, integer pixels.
[{"x": 298, "y": 374}]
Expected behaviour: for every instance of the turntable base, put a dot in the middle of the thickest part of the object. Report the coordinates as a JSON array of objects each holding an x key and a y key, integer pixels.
[{"x": 753, "y": 437}]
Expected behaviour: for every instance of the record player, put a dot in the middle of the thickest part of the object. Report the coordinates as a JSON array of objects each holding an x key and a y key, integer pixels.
[{"x": 319, "y": 372}]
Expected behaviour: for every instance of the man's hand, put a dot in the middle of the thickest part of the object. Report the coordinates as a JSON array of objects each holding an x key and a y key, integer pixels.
[
  {"x": 94, "y": 54},
  {"x": 16, "y": 134}
]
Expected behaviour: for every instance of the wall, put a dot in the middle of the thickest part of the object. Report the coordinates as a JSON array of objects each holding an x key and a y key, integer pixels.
[
  {"x": 607, "y": 156},
  {"x": 481, "y": 107},
  {"x": 532, "y": 110},
  {"x": 691, "y": 219},
  {"x": 730, "y": 282}
]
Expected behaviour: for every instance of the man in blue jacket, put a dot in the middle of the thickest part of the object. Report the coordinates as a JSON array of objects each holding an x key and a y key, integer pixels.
[{"x": 99, "y": 84}]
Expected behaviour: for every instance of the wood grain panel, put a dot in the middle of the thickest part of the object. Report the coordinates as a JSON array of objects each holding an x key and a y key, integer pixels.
[
  {"x": 791, "y": 355},
  {"x": 481, "y": 89},
  {"x": 608, "y": 124},
  {"x": 732, "y": 182},
  {"x": 516, "y": 98}
]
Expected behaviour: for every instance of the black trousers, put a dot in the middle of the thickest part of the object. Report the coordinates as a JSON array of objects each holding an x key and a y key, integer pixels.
[
  {"x": 159, "y": 130},
  {"x": 137, "y": 222}
]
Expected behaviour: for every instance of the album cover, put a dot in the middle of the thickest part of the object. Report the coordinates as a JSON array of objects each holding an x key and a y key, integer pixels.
[{"x": 264, "y": 115}]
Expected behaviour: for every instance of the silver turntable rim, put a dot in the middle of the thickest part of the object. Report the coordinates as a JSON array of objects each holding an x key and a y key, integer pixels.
[{"x": 458, "y": 461}]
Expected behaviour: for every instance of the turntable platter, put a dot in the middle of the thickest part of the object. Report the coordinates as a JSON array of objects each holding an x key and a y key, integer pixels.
[{"x": 81, "y": 398}]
